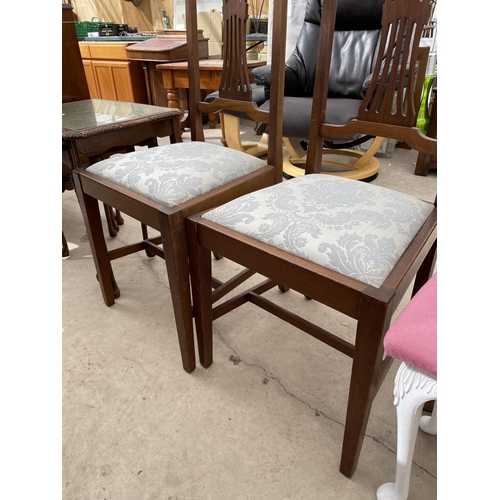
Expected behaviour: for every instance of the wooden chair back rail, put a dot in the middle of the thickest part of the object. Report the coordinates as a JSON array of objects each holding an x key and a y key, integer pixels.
[
  {"x": 275, "y": 150},
  {"x": 422, "y": 57},
  {"x": 193, "y": 91},
  {"x": 320, "y": 92}
]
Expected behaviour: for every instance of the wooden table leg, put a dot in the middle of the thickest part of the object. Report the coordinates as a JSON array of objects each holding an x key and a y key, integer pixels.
[
  {"x": 119, "y": 218},
  {"x": 212, "y": 120},
  {"x": 111, "y": 221},
  {"x": 65, "y": 249}
]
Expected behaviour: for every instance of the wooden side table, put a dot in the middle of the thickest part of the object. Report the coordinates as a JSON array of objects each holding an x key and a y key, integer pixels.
[{"x": 95, "y": 129}]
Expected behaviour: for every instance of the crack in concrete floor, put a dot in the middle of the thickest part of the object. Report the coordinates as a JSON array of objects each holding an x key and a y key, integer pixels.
[{"x": 238, "y": 359}]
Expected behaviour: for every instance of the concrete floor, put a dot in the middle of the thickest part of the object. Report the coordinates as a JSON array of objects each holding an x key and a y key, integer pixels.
[{"x": 264, "y": 422}]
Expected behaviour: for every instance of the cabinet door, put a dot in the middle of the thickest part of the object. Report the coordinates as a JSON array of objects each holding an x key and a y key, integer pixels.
[
  {"x": 113, "y": 80},
  {"x": 91, "y": 81}
]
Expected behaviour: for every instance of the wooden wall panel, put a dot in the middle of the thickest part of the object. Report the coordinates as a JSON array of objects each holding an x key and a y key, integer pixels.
[{"x": 141, "y": 16}]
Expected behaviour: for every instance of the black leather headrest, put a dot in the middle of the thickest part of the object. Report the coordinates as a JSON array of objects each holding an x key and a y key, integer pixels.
[{"x": 352, "y": 15}]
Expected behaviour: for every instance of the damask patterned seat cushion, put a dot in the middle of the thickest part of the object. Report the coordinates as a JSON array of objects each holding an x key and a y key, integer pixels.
[
  {"x": 176, "y": 173},
  {"x": 357, "y": 229}
]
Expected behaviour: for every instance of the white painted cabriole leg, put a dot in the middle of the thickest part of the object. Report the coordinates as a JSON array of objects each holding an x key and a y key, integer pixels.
[
  {"x": 429, "y": 423},
  {"x": 412, "y": 389}
]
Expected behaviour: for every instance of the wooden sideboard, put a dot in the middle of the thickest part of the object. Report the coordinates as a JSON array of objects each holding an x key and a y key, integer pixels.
[
  {"x": 168, "y": 47},
  {"x": 110, "y": 74},
  {"x": 126, "y": 71}
]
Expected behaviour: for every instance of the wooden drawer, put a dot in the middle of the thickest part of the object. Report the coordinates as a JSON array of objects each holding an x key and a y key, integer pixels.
[
  {"x": 104, "y": 50},
  {"x": 84, "y": 51}
]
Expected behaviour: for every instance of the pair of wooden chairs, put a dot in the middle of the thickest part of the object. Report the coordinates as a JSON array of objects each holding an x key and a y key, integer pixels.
[{"x": 352, "y": 246}]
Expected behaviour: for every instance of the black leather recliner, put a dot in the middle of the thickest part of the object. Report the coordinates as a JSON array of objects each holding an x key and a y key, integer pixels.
[
  {"x": 355, "y": 45},
  {"x": 357, "y": 30}
]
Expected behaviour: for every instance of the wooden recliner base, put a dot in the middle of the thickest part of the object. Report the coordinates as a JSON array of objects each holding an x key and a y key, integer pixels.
[{"x": 348, "y": 163}]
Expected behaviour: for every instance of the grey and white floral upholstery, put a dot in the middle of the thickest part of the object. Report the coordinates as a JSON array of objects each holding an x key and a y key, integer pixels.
[
  {"x": 357, "y": 229},
  {"x": 176, "y": 173}
]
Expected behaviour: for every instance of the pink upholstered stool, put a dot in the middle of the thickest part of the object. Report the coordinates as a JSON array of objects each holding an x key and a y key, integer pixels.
[{"x": 412, "y": 338}]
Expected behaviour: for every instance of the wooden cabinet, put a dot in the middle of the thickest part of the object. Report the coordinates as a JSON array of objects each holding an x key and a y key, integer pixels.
[{"x": 109, "y": 73}]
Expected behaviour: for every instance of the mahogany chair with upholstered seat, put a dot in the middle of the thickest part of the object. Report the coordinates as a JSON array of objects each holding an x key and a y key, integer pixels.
[
  {"x": 160, "y": 187},
  {"x": 352, "y": 246}
]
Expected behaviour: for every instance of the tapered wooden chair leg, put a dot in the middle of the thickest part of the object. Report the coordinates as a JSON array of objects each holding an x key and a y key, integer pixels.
[
  {"x": 365, "y": 380},
  {"x": 110, "y": 220},
  {"x": 116, "y": 290},
  {"x": 97, "y": 242},
  {"x": 201, "y": 283},
  {"x": 176, "y": 259},
  {"x": 119, "y": 219},
  {"x": 145, "y": 236},
  {"x": 65, "y": 249},
  {"x": 93, "y": 224}
]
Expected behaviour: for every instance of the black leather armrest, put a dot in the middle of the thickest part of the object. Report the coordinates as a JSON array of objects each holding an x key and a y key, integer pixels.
[{"x": 262, "y": 76}]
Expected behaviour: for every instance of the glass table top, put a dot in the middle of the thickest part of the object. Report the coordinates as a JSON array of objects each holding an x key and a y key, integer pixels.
[{"x": 80, "y": 115}]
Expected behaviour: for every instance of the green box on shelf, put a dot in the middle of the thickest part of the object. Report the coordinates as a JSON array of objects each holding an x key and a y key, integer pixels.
[{"x": 83, "y": 28}]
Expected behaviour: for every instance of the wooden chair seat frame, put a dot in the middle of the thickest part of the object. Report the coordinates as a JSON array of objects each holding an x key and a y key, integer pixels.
[{"x": 371, "y": 307}]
